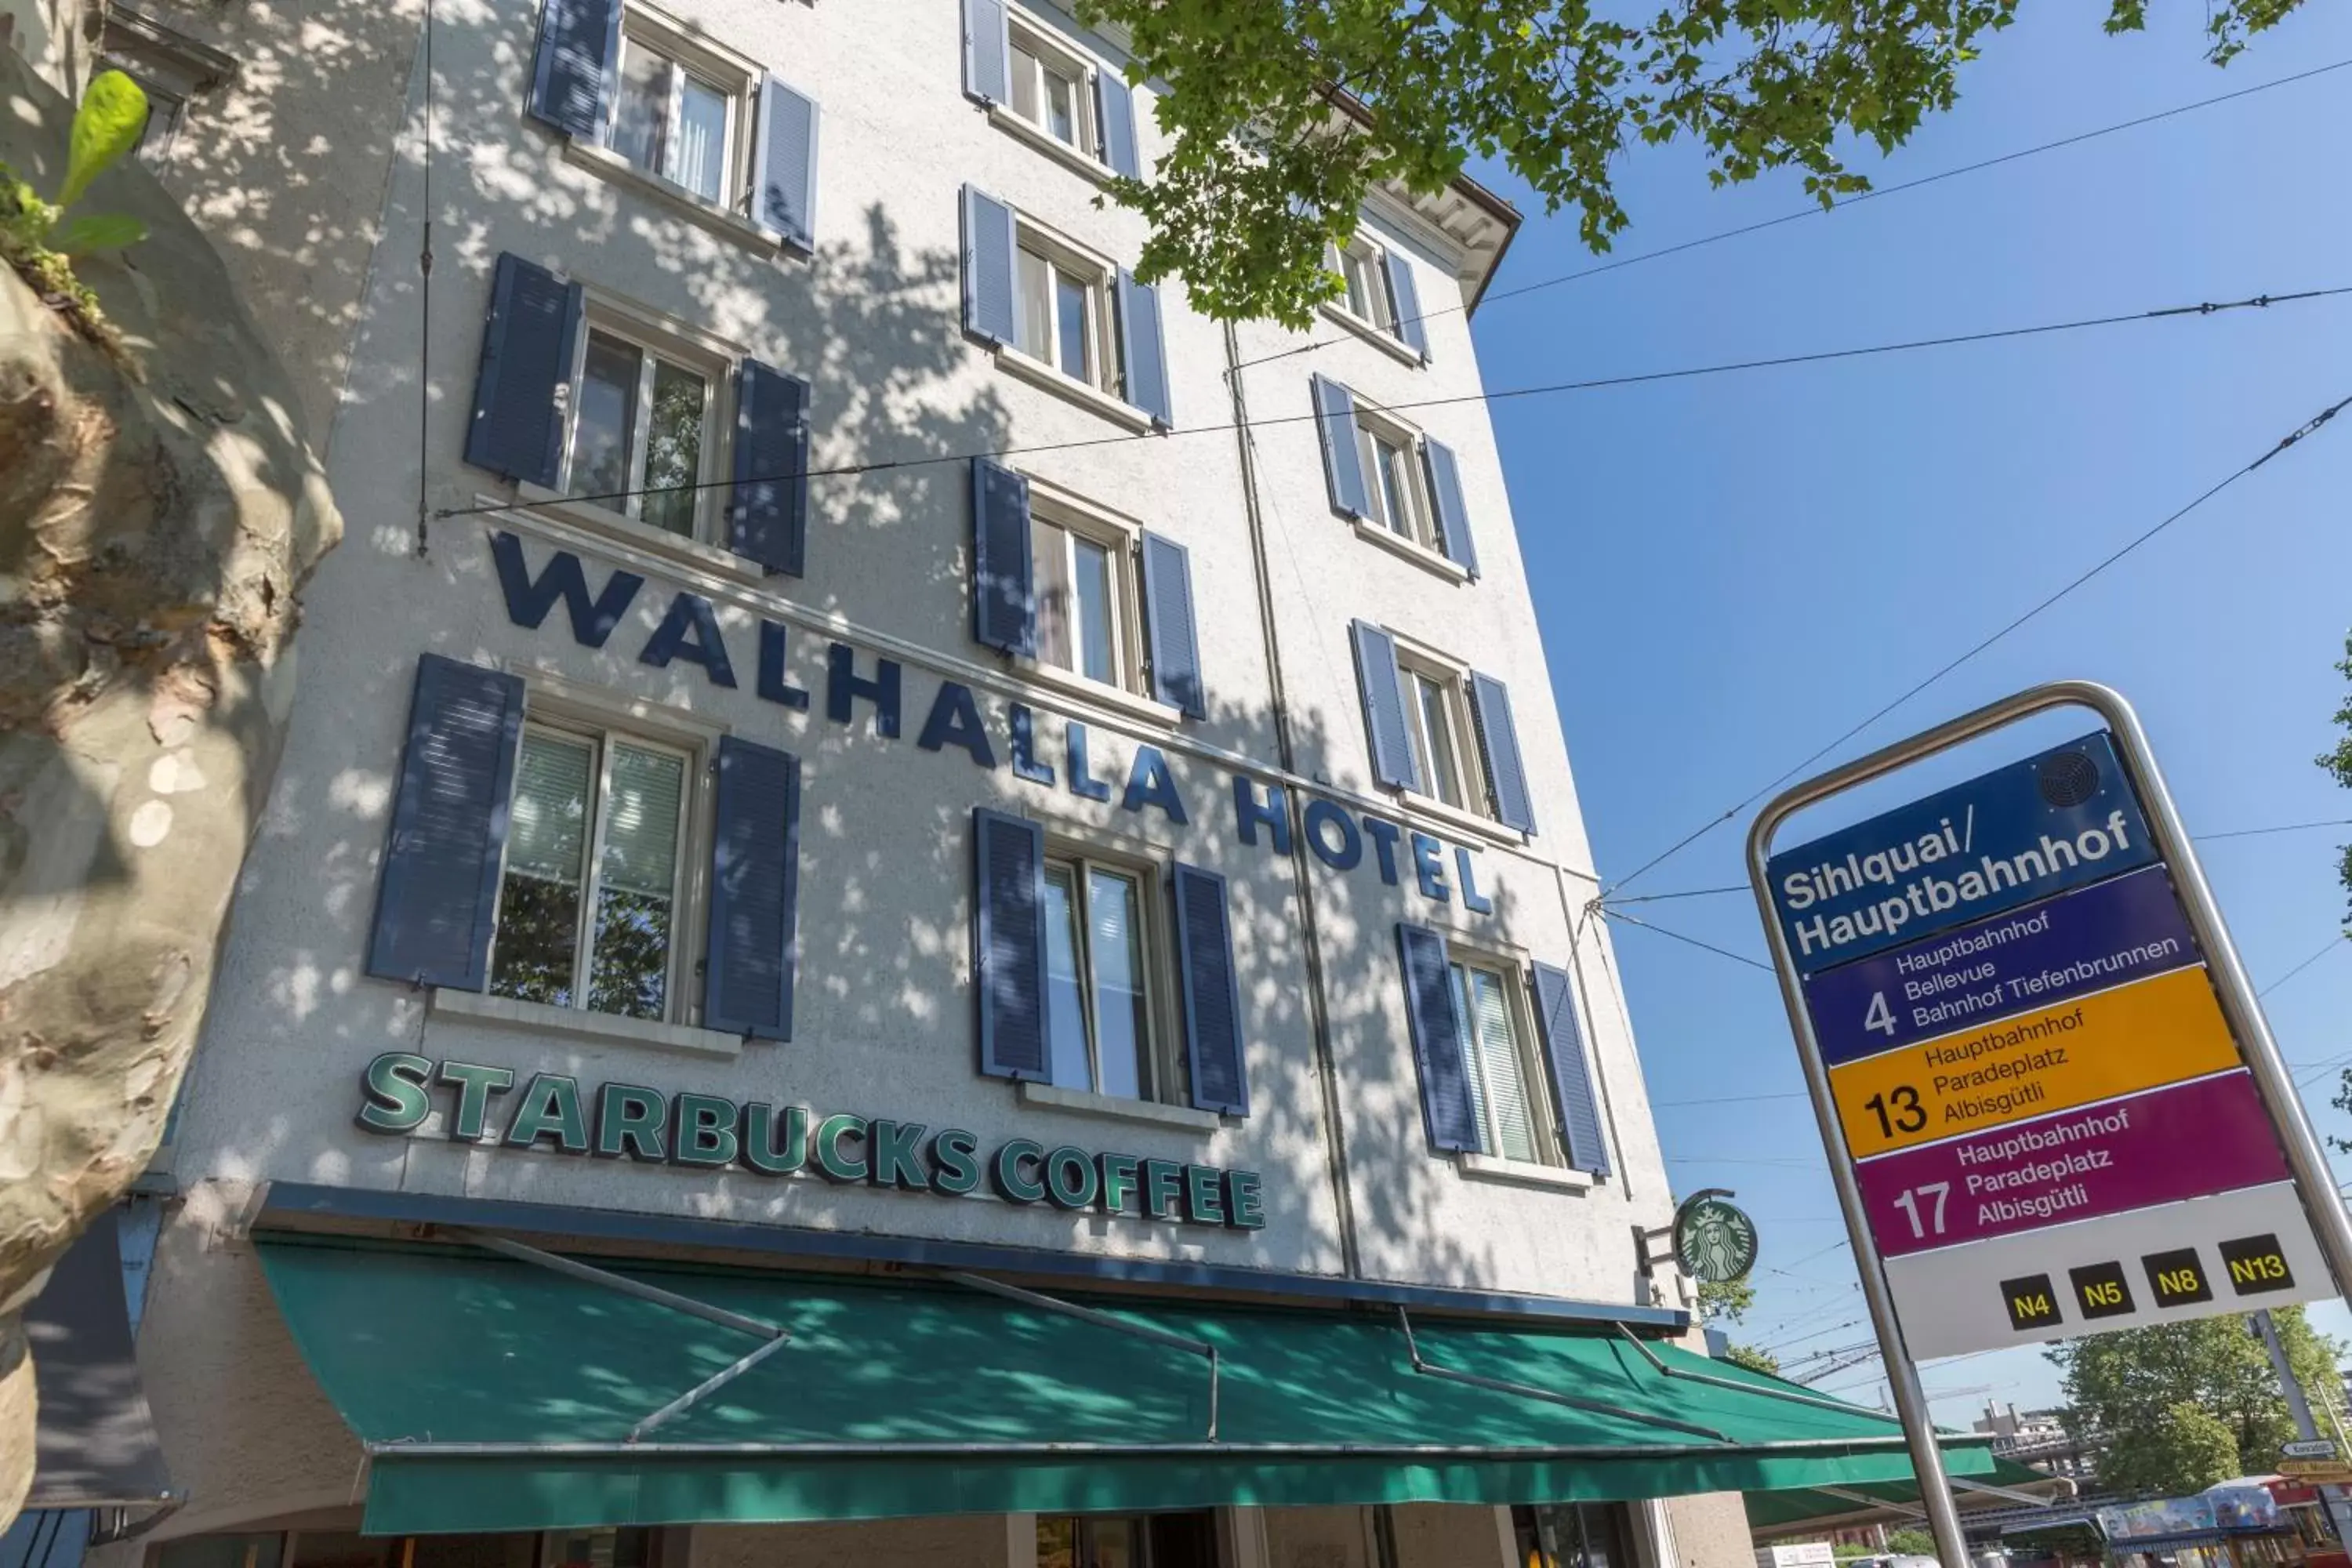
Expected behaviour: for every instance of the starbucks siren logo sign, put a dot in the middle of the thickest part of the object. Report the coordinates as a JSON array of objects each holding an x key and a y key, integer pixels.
[{"x": 1715, "y": 1242}]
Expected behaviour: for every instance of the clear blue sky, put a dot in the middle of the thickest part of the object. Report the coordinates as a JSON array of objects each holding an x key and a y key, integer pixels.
[{"x": 1731, "y": 571}]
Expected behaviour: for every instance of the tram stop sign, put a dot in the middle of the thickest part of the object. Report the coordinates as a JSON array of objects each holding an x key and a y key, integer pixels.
[{"x": 2050, "y": 1123}]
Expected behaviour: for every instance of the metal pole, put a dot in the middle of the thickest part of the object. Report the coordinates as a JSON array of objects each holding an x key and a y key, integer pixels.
[
  {"x": 2299, "y": 1408},
  {"x": 2330, "y": 1224}
]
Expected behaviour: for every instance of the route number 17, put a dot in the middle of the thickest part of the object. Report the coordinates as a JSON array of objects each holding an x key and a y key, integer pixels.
[{"x": 1910, "y": 1202}]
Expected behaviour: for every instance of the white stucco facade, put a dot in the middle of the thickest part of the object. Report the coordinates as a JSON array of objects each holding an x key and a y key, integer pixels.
[{"x": 884, "y": 1024}]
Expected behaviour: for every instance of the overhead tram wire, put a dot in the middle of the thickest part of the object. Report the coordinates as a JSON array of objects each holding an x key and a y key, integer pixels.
[
  {"x": 2307, "y": 427},
  {"x": 1817, "y": 210},
  {"x": 1662, "y": 931},
  {"x": 2333, "y": 944},
  {"x": 2194, "y": 837},
  {"x": 1775, "y": 362}
]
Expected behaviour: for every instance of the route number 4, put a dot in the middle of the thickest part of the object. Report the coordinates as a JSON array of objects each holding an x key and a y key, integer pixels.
[
  {"x": 1909, "y": 1203},
  {"x": 1879, "y": 1016}
]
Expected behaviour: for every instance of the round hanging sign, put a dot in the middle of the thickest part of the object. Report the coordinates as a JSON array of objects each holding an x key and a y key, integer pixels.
[{"x": 1715, "y": 1242}]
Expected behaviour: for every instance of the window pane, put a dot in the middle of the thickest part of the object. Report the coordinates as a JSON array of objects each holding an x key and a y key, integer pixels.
[
  {"x": 1106, "y": 1543},
  {"x": 636, "y": 876},
  {"x": 1071, "y": 302},
  {"x": 1049, "y": 546},
  {"x": 1090, "y": 569},
  {"x": 1024, "y": 104},
  {"x": 1066, "y": 1008},
  {"x": 1441, "y": 778},
  {"x": 641, "y": 109},
  {"x": 701, "y": 160},
  {"x": 1062, "y": 107},
  {"x": 1115, "y": 916},
  {"x": 1506, "y": 1068},
  {"x": 539, "y": 898},
  {"x": 1466, "y": 1040},
  {"x": 1396, "y": 493},
  {"x": 1360, "y": 299},
  {"x": 607, "y": 417},
  {"x": 674, "y": 448},
  {"x": 1036, "y": 306}
]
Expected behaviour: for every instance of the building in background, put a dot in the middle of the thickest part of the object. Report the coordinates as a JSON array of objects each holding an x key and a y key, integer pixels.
[
  {"x": 2040, "y": 1440},
  {"x": 921, "y": 904}
]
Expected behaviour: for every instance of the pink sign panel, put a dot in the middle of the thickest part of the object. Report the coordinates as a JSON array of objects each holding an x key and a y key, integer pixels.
[{"x": 2184, "y": 1140}]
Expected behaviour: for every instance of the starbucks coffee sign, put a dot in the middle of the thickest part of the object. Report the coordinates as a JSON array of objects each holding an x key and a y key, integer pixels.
[{"x": 556, "y": 1114}]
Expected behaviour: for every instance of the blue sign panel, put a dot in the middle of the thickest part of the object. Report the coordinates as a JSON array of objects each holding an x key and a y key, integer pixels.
[
  {"x": 2020, "y": 833},
  {"x": 2109, "y": 934}
]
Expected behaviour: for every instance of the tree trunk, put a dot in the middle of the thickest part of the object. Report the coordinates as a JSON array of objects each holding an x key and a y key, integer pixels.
[{"x": 160, "y": 512}]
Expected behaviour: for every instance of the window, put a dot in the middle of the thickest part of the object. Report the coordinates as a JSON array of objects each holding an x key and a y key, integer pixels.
[
  {"x": 169, "y": 66},
  {"x": 1572, "y": 1535},
  {"x": 674, "y": 121},
  {"x": 643, "y": 430},
  {"x": 1399, "y": 502},
  {"x": 1145, "y": 1541},
  {"x": 1504, "y": 1078},
  {"x": 1066, "y": 320},
  {"x": 1366, "y": 283},
  {"x": 1434, "y": 723},
  {"x": 1100, "y": 997},
  {"x": 1086, "y": 615},
  {"x": 588, "y": 897},
  {"x": 1050, "y": 91}
]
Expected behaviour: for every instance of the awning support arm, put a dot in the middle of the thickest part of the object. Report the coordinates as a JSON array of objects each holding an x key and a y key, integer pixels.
[
  {"x": 2009, "y": 1492},
  {"x": 775, "y": 1335},
  {"x": 1756, "y": 1388},
  {"x": 1530, "y": 1390},
  {"x": 1869, "y": 1501},
  {"x": 981, "y": 1282}
]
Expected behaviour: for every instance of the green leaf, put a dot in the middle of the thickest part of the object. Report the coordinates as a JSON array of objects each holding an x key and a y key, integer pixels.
[
  {"x": 113, "y": 113},
  {"x": 100, "y": 231}
]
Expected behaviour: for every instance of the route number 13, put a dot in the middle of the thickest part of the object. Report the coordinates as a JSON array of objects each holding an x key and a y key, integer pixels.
[{"x": 1910, "y": 1202}]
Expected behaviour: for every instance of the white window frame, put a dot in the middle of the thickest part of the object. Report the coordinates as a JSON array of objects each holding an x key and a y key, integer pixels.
[
  {"x": 1372, "y": 258},
  {"x": 1420, "y": 543},
  {"x": 736, "y": 79},
  {"x": 657, "y": 337},
  {"x": 1418, "y": 660},
  {"x": 601, "y": 726},
  {"x": 1123, "y": 537},
  {"x": 1535, "y": 1072},
  {"x": 1047, "y": 55},
  {"x": 1100, "y": 276},
  {"x": 1158, "y": 968}
]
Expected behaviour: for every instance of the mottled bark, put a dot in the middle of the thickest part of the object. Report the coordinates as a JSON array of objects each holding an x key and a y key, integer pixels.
[{"x": 158, "y": 517}]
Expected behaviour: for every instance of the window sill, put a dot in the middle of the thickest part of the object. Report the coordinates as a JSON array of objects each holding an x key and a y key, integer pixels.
[
  {"x": 642, "y": 535},
  {"x": 1379, "y": 337},
  {"x": 718, "y": 220},
  {"x": 1144, "y": 709},
  {"x": 1520, "y": 1173},
  {"x": 1037, "y": 372},
  {"x": 1453, "y": 817},
  {"x": 1420, "y": 555},
  {"x": 1061, "y": 151},
  {"x": 1113, "y": 1108},
  {"x": 578, "y": 1024}
]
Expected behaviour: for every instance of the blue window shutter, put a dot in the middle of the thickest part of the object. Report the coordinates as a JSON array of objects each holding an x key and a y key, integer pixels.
[
  {"x": 987, "y": 51},
  {"x": 1117, "y": 116},
  {"x": 1008, "y": 942},
  {"x": 1404, "y": 302},
  {"x": 754, "y": 941},
  {"x": 528, "y": 340},
  {"x": 1436, "y": 1039},
  {"x": 1141, "y": 349},
  {"x": 1498, "y": 742},
  {"x": 1003, "y": 595},
  {"x": 1384, "y": 716},
  {"x": 767, "y": 519},
  {"x": 579, "y": 50},
  {"x": 1572, "y": 1094},
  {"x": 1452, "y": 517},
  {"x": 1343, "y": 461},
  {"x": 1213, "y": 1000},
  {"x": 437, "y": 898},
  {"x": 991, "y": 311},
  {"x": 784, "y": 164},
  {"x": 1169, "y": 624}
]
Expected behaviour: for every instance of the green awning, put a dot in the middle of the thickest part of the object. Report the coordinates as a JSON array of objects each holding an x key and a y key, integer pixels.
[
  {"x": 496, "y": 1395},
  {"x": 1781, "y": 1512}
]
